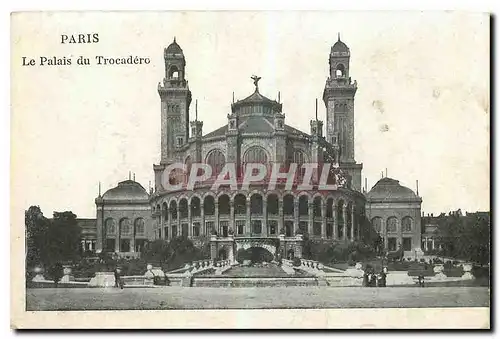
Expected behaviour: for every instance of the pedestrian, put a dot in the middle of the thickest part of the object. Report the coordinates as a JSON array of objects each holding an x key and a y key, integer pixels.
[
  {"x": 118, "y": 280},
  {"x": 382, "y": 279},
  {"x": 421, "y": 280}
]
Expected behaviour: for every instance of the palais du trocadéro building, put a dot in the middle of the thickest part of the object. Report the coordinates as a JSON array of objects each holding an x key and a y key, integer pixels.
[{"x": 273, "y": 218}]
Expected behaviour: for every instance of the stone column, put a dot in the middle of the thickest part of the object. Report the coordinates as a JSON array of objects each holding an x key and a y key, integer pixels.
[
  {"x": 352, "y": 222},
  {"x": 310, "y": 223},
  {"x": 323, "y": 219},
  {"x": 344, "y": 226},
  {"x": 433, "y": 244},
  {"x": 179, "y": 229},
  {"x": 281, "y": 217},
  {"x": 384, "y": 234},
  {"x": 190, "y": 222},
  {"x": 231, "y": 215},
  {"x": 117, "y": 238},
  {"x": 202, "y": 214},
  {"x": 335, "y": 220},
  {"x": 248, "y": 227},
  {"x": 296, "y": 216},
  {"x": 264, "y": 216},
  {"x": 132, "y": 239},
  {"x": 400, "y": 233},
  {"x": 216, "y": 217},
  {"x": 83, "y": 245}
]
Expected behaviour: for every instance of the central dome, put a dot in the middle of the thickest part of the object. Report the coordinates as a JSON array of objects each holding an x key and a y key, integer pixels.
[{"x": 256, "y": 104}]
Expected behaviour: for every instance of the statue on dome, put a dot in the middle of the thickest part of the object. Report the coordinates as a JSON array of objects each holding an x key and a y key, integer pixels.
[{"x": 256, "y": 81}]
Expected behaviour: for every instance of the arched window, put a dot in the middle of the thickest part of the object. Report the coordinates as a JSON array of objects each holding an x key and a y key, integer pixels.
[
  {"x": 329, "y": 208},
  {"x": 240, "y": 204},
  {"x": 173, "y": 72},
  {"x": 183, "y": 208},
  {"x": 255, "y": 154},
  {"x": 299, "y": 158},
  {"x": 139, "y": 226},
  {"x": 216, "y": 160},
  {"x": 340, "y": 71},
  {"x": 256, "y": 204},
  {"x": 164, "y": 211},
  {"x": 406, "y": 224},
  {"x": 392, "y": 224},
  {"x": 125, "y": 226},
  {"x": 209, "y": 205},
  {"x": 317, "y": 207},
  {"x": 110, "y": 226},
  {"x": 377, "y": 224},
  {"x": 288, "y": 208},
  {"x": 303, "y": 205},
  {"x": 195, "y": 207},
  {"x": 272, "y": 204},
  {"x": 173, "y": 210},
  {"x": 224, "y": 205}
]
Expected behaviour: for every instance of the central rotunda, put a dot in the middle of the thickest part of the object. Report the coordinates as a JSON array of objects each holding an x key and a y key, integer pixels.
[{"x": 272, "y": 218}]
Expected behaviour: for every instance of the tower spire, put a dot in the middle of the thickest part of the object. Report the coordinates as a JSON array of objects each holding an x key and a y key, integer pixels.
[
  {"x": 316, "y": 109},
  {"x": 233, "y": 97},
  {"x": 129, "y": 175},
  {"x": 196, "y": 111},
  {"x": 174, "y": 40},
  {"x": 279, "y": 96},
  {"x": 338, "y": 34},
  {"x": 134, "y": 176},
  {"x": 100, "y": 188}
]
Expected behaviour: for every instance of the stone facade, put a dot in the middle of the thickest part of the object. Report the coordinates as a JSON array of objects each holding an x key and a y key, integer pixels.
[
  {"x": 256, "y": 133},
  {"x": 395, "y": 213},
  {"x": 123, "y": 222}
]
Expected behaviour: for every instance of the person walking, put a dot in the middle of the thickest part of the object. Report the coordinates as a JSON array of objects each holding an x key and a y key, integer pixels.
[{"x": 118, "y": 280}]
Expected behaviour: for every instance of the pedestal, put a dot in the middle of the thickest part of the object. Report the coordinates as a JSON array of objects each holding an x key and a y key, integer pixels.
[
  {"x": 67, "y": 277},
  {"x": 38, "y": 275}
]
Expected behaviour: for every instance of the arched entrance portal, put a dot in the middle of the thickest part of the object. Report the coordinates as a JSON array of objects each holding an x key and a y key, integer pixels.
[{"x": 256, "y": 250}]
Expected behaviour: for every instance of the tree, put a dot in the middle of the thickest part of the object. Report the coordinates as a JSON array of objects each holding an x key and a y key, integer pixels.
[
  {"x": 36, "y": 229},
  {"x": 465, "y": 237},
  {"x": 156, "y": 251},
  {"x": 63, "y": 238}
]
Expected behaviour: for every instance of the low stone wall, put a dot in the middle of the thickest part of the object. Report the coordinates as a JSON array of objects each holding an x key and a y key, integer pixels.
[
  {"x": 216, "y": 281},
  {"x": 338, "y": 280}
]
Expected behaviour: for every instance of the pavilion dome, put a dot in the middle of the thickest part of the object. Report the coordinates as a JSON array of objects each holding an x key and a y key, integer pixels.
[
  {"x": 174, "y": 48},
  {"x": 340, "y": 46},
  {"x": 390, "y": 189},
  {"x": 126, "y": 190}
]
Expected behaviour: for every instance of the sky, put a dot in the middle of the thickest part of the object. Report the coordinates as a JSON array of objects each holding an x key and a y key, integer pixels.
[{"x": 421, "y": 110}]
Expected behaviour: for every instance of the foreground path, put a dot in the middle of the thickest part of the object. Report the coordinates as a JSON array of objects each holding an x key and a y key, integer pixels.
[{"x": 235, "y": 298}]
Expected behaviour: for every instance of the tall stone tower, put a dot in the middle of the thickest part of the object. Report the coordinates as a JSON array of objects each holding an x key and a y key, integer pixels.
[
  {"x": 175, "y": 101},
  {"x": 338, "y": 97}
]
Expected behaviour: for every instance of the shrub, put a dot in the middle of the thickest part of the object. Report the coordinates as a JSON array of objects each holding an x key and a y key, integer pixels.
[
  {"x": 296, "y": 262},
  {"x": 55, "y": 272}
]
